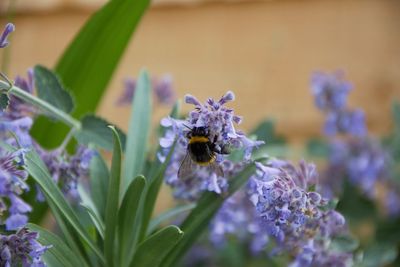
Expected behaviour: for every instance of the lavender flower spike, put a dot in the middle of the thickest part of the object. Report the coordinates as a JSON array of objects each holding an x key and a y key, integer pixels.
[
  {"x": 21, "y": 249},
  {"x": 3, "y": 37},
  {"x": 12, "y": 185},
  {"x": 220, "y": 122}
]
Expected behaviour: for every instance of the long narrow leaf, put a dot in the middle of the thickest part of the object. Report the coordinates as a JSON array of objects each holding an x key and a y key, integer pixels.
[
  {"x": 167, "y": 215},
  {"x": 111, "y": 215},
  {"x": 199, "y": 218},
  {"x": 70, "y": 236},
  {"x": 99, "y": 176},
  {"x": 39, "y": 173},
  {"x": 139, "y": 128},
  {"x": 59, "y": 254},
  {"x": 127, "y": 216},
  {"x": 151, "y": 252},
  {"x": 89, "y": 62},
  {"x": 88, "y": 204},
  {"x": 151, "y": 194}
]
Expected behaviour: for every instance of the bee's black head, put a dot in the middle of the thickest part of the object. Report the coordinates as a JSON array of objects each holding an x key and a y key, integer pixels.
[{"x": 200, "y": 131}]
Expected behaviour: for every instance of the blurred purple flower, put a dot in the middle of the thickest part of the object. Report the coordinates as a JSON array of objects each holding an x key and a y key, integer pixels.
[
  {"x": 128, "y": 93},
  {"x": 12, "y": 185},
  {"x": 237, "y": 217},
  {"x": 345, "y": 122},
  {"x": 392, "y": 202},
  {"x": 3, "y": 37},
  {"x": 21, "y": 249},
  {"x": 162, "y": 87},
  {"x": 363, "y": 161},
  {"x": 330, "y": 90},
  {"x": 65, "y": 169},
  {"x": 219, "y": 121}
]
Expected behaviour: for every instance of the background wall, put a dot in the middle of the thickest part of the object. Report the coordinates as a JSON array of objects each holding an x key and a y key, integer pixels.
[{"x": 264, "y": 51}]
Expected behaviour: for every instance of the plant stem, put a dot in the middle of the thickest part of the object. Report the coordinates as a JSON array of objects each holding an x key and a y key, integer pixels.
[{"x": 43, "y": 105}]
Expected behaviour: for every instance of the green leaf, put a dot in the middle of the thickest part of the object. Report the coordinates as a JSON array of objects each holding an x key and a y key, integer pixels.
[
  {"x": 50, "y": 89},
  {"x": 167, "y": 215},
  {"x": 4, "y": 101},
  {"x": 88, "y": 204},
  {"x": 99, "y": 176},
  {"x": 379, "y": 255},
  {"x": 69, "y": 234},
  {"x": 151, "y": 252},
  {"x": 94, "y": 131},
  {"x": 111, "y": 215},
  {"x": 38, "y": 171},
  {"x": 345, "y": 243},
  {"x": 59, "y": 254},
  {"x": 139, "y": 129},
  {"x": 151, "y": 193},
  {"x": 317, "y": 148},
  {"x": 266, "y": 132},
  {"x": 198, "y": 220},
  {"x": 128, "y": 214},
  {"x": 89, "y": 62}
]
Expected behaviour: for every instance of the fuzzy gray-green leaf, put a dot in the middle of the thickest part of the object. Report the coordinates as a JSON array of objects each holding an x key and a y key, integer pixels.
[
  {"x": 94, "y": 131},
  {"x": 50, "y": 89},
  {"x": 152, "y": 251},
  {"x": 99, "y": 176},
  {"x": 139, "y": 129},
  {"x": 111, "y": 214},
  {"x": 128, "y": 214}
]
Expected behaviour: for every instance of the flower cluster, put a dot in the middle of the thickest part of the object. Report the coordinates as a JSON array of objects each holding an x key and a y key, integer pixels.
[
  {"x": 66, "y": 169},
  {"x": 21, "y": 249},
  {"x": 357, "y": 156},
  {"x": 12, "y": 185},
  {"x": 330, "y": 93},
  {"x": 296, "y": 217},
  {"x": 163, "y": 90},
  {"x": 219, "y": 122}
]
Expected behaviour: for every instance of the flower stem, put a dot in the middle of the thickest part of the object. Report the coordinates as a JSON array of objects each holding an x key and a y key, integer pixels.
[{"x": 42, "y": 105}]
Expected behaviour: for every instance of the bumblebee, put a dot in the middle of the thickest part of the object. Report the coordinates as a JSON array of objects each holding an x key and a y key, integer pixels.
[{"x": 201, "y": 151}]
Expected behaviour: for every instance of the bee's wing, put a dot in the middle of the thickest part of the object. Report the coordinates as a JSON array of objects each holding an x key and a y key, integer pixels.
[
  {"x": 217, "y": 169},
  {"x": 187, "y": 167}
]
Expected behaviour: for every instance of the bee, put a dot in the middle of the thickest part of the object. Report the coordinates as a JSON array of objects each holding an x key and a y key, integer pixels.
[{"x": 201, "y": 151}]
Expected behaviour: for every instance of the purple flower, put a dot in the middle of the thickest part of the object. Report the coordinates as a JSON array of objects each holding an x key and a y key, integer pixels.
[
  {"x": 12, "y": 185},
  {"x": 220, "y": 123},
  {"x": 330, "y": 90},
  {"x": 291, "y": 214},
  {"x": 351, "y": 122},
  {"x": 67, "y": 169},
  {"x": 21, "y": 249},
  {"x": 392, "y": 202},
  {"x": 3, "y": 37},
  {"x": 163, "y": 91},
  {"x": 237, "y": 217},
  {"x": 363, "y": 161},
  {"x": 129, "y": 91}
]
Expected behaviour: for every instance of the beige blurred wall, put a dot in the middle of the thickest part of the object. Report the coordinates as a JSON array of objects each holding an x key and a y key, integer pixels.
[{"x": 262, "y": 50}]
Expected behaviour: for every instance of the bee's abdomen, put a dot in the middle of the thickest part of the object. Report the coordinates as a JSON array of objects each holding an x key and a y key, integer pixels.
[{"x": 200, "y": 152}]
